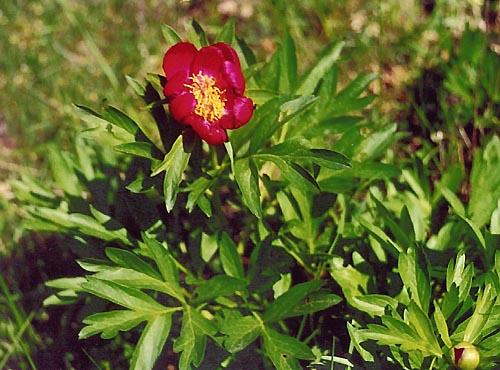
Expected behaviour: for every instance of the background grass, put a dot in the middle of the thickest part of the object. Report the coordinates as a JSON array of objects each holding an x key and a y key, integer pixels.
[{"x": 57, "y": 53}]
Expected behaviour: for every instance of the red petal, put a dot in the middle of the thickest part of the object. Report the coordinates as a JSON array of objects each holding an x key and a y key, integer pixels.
[
  {"x": 176, "y": 85},
  {"x": 233, "y": 74},
  {"x": 178, "y": 58},
  {"x": 212, "y": 133},
  {"x": 182, "y": 106},
  {"x": 209, "y": 61},
  {"x": 243, "y": 110},
  {"x": 229, "y": 53}
]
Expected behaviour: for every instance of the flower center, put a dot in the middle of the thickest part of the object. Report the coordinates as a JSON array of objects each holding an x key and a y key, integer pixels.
[{"x": 209, "y": 101}]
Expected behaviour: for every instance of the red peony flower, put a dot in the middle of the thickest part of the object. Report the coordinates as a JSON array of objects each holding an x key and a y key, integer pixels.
[{"x": 205, "y": 89}]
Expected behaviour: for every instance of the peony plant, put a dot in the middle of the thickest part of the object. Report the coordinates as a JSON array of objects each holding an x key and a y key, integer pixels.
[{"x": 249, "y": 222}]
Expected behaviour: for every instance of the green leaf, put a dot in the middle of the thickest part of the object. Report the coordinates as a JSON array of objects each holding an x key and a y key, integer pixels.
[
  {"x": 316, "y": 73},
  {"x": 151, "y": 342},
  {"x": 283, "y": 306},
  {"x": 414, "y": 279},
  {"x": 218, "y": 286},
  {"x": 193, "y": 337},
  {"x": 485, "y": 190},
  {"x": 240, "y": 332},
  {"x": 475, "y": 231},
  {"x": 137, "y": 148},
  {"x": 81, "y": 224},
  {"x": 353, "y": 282},
  {"x": 130, "y": 298},
  {"x": 63, "y": 170},
  {"x": 454, "y": 201},
  {"x": 170, "y": 35},
  {"x": 247, "y": 178},
  {"x": 196, "y": 35},
  {"x": 288, "y": 65},
  {"x": 120, "y": 119},
  {"x": 230, "y": 259},
  {"x": 226, "y": 33},
  {"x": 295, "y": 174},
  {"x": 441, "y": 325},
  {"x": 374, "y": 304},
  {"x": 136, "y": 86},
  {"x": 174, "y": 164},
  {"x": 196, "y": 193},
  {"x": 259, "y": 130},
  {"x": 284, "y": 350},
  {"x": 315, "y": 302},
  {"x": 298, "y": 150},
  {"x": 127, "y": 259},
  {"x": 138, "y": 280},
  {"x": 396, "y": 332},
  {"x": 111, "y": 322},
  {"x": 163, "y": 259},
  {"x": 419, "y": 320},
  {"x": 482, "y": 311}
]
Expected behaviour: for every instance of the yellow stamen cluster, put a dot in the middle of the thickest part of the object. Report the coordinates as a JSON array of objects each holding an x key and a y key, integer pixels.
[{"x": 209, "y": 101}]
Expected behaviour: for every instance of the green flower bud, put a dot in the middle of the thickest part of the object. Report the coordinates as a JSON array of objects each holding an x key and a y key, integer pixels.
[{"x": 465, "y": 356}]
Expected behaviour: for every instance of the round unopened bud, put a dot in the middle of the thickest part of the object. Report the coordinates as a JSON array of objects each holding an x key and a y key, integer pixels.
[{"x": 465, "y": 356}]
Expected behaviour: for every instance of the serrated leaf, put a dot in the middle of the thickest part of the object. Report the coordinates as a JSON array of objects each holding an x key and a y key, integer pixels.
[
  {"x": 419, "y": 320},
  {"x": 174, "y": 164},
  {"x": 414, "y": 279},
  {"x": 247, "y": 178},
  {"x": 151, "y": 342},
  {"x": 193, "y": 337},
  {"x": 230, "y": 258},
  {"x": 111, "y": 322},
  {"x": 283, "y": 306},
  {"x": 240, "y": 332}
]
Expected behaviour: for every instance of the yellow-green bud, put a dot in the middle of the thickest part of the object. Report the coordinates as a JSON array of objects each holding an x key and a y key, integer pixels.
[{"x": 465, "y": 356}]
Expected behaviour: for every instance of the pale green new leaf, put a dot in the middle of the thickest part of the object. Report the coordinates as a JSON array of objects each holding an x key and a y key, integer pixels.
[
  {"x": 441, "y": 325},
  {"x": 484, "y": 305},
  {"x": 419, "y": 320},
  {"x": 111, "y": 322}
]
